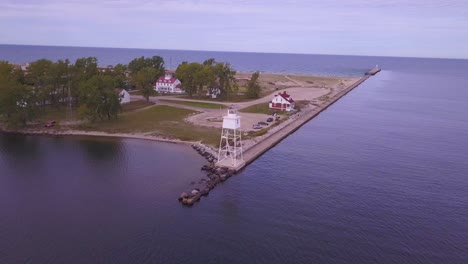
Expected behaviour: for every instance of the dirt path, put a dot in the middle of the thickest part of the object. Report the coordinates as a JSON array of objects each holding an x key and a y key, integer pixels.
[{"x": 294, "y": 81}]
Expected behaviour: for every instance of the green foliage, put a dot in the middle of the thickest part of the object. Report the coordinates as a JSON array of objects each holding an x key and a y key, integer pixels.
[
  {"x": 253, "y": 88},
  {"x": 209, "y": 62},
  {"x": 205, "y": 77},
  {"x": 99, "y": 99},
  {"x": 261, "y": 108},
  {"x": 144, "y": 72},
  {"x": 119, "y": 74},
  {"x": 50, "y": 86},
  {"x": 83, "y": 70},
  {"x": 16, "y": 99},
  {"x": 195, "y": 76},
  {"x": 225, "y": 76},
  {"x": 188, "y": 74},
  {"x": 144, "y": 80},
  {"x": 155, "y": 62}
]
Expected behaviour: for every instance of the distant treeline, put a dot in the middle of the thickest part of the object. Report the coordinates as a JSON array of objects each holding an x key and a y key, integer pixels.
[{"x": 25, "y": 92}]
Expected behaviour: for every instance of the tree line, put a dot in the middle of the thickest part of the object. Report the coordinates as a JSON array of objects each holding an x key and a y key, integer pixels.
[
  {"x": 197, "y": 77},
  {"x": 83, "y": 86}
]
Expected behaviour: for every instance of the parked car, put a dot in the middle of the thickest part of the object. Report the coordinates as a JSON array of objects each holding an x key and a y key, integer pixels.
[
  {"x": 50, "y": 124},
  {"x": 270, "y": 119},
  {"x": 256, "y": 127},
  {"x": 263, "y": 123}
]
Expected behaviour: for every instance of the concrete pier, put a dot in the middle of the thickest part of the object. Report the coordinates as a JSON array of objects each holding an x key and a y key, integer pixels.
[
  {"x": 373, "y": 71},
  {"x": 261, "y": 147}
]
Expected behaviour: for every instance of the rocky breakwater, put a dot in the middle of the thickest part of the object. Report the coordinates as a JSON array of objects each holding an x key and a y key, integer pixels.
[
  {"x": 206, "y": 152},
  {"x": 214, "y": 176}
]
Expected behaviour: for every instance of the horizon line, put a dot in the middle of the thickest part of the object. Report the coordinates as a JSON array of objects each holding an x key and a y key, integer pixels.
[{"x": 230, "y": 51}]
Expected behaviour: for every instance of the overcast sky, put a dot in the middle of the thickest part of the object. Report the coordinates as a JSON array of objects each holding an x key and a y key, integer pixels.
[{"x": 410, "y": 28}]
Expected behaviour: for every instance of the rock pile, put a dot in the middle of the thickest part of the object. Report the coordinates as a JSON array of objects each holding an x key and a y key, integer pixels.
[
  {"x": 206, "y": 152},
  {"x": 214, "y": 174}
]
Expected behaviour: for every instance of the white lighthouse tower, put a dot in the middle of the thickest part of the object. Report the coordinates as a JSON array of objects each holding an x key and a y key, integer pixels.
[{"x": 230, "y": 147}]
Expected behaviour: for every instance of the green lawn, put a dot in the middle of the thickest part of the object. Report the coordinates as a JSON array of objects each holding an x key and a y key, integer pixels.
[
  {"x": 161, "y": 120},
  {"x": 233, "y": 98},
  {"x": 196, "y": 104},
  {"x": 49, "y": 113},
  {"x": 261, "y": 108},
  {"x": 135, "y": 105}
]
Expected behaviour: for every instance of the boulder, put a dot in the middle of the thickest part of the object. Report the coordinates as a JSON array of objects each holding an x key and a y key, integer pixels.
[
  {"x": 194, "y": 192},
  {"x": 205, "y": 191},
  {"x": 183, "y": 196},
  {"x": 196, "y": 198},
  {"x": 188, "y": 201},
  {"x": 217, "y": 180}
]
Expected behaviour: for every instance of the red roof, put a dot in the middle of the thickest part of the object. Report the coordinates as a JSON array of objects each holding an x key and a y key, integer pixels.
[
  {"x": 164, "y": 80},
  {"x": 286, "y": 97}
]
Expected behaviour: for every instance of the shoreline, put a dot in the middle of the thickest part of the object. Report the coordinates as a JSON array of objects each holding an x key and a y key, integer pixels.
[{"x": 97, "y": 134}]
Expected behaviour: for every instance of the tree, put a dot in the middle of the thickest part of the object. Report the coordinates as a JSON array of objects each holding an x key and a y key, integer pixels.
[
  {"x": 226, "y": 78},
  {"x": 40, "y": 78},
  {"x": 16, "y": 104},
  {"x": 156, "y": 63},
  {"x": 253, "y": 88},
  {"x": 59, "y": 80},
  {"x": 189, "y": 75},
  {"x": 209, "y": 62},
  {"x": 99, "y": 99},
  {"x": 120, "y": 75},
  {"x": 144, "y": 80},
  {"x": 204, "y": 77},
  {"x": 83, "y": 70}
]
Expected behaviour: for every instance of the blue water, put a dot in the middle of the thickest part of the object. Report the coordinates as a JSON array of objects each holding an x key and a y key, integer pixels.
[
  {"x": 241, "y": 61},
  {"x": 379, "y": 177}
]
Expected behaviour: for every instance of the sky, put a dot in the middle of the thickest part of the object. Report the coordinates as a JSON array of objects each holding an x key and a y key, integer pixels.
[{"x": 402, "y": 28}]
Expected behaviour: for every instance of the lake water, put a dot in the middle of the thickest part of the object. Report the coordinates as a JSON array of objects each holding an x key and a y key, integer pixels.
[{"x": 379, "y": 177}]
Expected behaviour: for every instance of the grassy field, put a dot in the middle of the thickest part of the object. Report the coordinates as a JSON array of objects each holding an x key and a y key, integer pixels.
[
  {"x": 161, "y": 120},
  {"x": 135, "y": 105},
  {"x": 196, "y": 104},
  {"x": 51, "y": 113},
  {"x": 233, "y": 98},
  {"x": 60, "y": 114},
  {"x": 261, "y": 108},
  {"x": 301, "y": 104}
]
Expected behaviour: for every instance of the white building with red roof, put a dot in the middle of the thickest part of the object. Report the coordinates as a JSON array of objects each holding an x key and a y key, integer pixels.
[
  {"x": 282, "y": 101},
  {"x": 168, "y": 84}
]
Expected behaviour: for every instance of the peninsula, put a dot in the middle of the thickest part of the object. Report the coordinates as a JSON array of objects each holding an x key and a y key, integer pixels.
[{"x": 160, "y": 107}]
